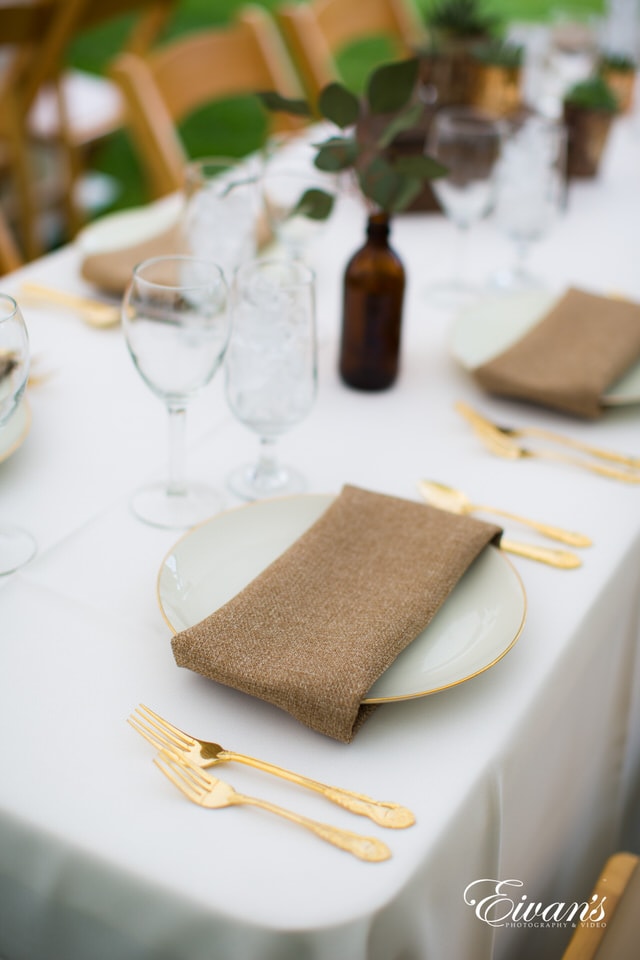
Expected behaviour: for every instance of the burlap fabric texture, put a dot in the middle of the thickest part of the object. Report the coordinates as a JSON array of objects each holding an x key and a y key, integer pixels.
[
  {"x": 319, "y": 625},
  {"x": 572, "y": 355}
]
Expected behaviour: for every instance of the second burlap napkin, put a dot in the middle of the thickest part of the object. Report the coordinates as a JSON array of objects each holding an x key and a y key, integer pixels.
[
  {"x": 319, "y": 625},
  {"x": 110, "y": 271},
  {"x": 571, "y": 356}
]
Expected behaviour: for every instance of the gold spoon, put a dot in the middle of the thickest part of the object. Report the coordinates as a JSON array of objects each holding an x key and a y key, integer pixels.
[
  {"x": 94, "y": 312},
  {"x": 448, "y": 498}
]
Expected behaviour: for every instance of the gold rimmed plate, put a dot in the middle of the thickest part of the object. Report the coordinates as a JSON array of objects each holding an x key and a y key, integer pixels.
[
  {"x": 14, "y": 431},
  {"x": 476, "y": 626}
]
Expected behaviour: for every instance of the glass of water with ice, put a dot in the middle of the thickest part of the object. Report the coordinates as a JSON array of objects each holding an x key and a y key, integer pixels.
[
  {"x": 271, "y": 366},
  {"x": 530, "y": 193}
]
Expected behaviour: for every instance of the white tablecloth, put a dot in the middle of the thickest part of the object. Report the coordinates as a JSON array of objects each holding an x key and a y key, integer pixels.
[{"x": 530, "y": 771}]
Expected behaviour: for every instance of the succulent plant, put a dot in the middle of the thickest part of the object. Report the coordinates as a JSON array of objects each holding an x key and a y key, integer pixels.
[
  {"x": 462, "y": 18},
  {"x": 499, "y": 53},
  {"x": 617, "y": 61},
  {"x": 389, "y": 184},
  {"x": 592, "y": 94}
]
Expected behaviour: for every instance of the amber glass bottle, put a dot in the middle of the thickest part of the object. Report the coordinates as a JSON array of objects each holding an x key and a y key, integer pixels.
[{"x": 372, "y": 311}]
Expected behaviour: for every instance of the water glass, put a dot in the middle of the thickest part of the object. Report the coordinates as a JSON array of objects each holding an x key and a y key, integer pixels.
[{"x": 271, "y": 366}]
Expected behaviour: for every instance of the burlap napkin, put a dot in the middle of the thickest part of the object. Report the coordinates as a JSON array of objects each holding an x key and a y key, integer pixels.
[
  {"x": 315, "y": 629},
  {"x": 111, "y": 271},
  {"x": 571, "y": 356}
]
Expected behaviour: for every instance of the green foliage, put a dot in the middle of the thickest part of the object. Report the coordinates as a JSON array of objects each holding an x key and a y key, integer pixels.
[
  {"x": 499, "y": 53},
  {"x": 389, "y": 184},
  {"x": 462, "y": 18},
  {"x": 617, "y": 61},
  {"x": 592, "y": 94}
]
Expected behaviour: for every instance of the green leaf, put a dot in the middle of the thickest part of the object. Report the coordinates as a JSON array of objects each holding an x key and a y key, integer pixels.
[
  {"x": 408, "y": 190},
  {"x": 379, "y": 182},
  {"x": 339, "y": 105},
  {"x": 403, "y": 121},
  {"x": 278, "y": 104},
  {"x": 420, "y": 165},
  {"x": 336, "y": 154},
  {"x": 391, "y": 86},
  {"x": 315, "y": 204}
]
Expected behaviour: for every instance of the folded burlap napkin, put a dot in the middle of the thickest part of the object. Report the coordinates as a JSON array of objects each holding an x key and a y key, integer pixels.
[
  {"x": 319, "y": 625},
  {"x": 571, "y": 356},
  {"x": 111, "y": 270}
]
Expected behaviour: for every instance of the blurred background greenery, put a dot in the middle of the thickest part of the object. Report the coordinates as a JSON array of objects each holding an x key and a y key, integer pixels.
[{"x": 237, "y": 126}]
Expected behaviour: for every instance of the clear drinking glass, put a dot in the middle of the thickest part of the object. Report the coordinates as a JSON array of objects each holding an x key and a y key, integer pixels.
[
  {"x": 17, "y": 546},
  {"x": 467, "y": 142},
  {"x": 221, "y": 209},
  {"x": 271, "y": 366},
  {"x": 176, "y": 323},
  {"x": 530, "y": 193}
]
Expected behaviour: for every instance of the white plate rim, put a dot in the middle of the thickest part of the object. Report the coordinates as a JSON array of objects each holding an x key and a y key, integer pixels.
[
  {"x": 327, "y": 499},
  {"x": 146, "y": 222},
  {"x": 619, "y": 394}
]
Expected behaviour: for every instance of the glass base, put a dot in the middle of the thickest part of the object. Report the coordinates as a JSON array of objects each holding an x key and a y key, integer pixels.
[
  {"x": 175, "y": 511},
  {"x": 251, "y": 483},
  {"x": 513, "y": 281},
  {"x": 451, "y": 294},
  {"x": 17, "y": 547}
]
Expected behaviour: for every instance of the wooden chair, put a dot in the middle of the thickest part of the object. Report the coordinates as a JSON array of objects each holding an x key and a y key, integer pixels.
[
  {"x": 618, "y": 935},
  {"x": 44, "y": 104},
  {"x": 10, "y": 258},
  {"x": 317, "y": 31},
  {"x": 165, "y": 86}
]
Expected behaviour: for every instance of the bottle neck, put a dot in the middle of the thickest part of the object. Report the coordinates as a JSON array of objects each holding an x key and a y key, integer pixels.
[{"x": 378, "y": 229}]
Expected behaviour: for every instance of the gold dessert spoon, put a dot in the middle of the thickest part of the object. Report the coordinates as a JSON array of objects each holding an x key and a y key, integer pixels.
[{"x": 448, "y": 498}]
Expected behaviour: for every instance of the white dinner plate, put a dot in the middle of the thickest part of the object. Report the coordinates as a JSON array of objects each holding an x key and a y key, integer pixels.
[
  {"x": 13, "y": 432},
  {"x": 494, "y": 323},
  {"x": 125, "y": 228},
  {"x": 478, "y": 623}
]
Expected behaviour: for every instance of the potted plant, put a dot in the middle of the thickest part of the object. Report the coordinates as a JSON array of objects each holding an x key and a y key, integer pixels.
[
  {"x": 455, "y": 27},
  {"x": 389, "y": 181},
  {"x": 497, "y": 76},
  {"x": 619, "y": 72},
  {"x": 589, "y": 108}
]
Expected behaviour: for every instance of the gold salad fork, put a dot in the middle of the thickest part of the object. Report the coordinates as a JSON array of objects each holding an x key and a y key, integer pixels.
[
  {"x": 207, "y": 791},
  {"x": 165, "y": 736}
]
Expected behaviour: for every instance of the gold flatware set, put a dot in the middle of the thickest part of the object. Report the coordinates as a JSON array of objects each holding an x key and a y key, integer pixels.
[
  {"x": 184, "y": 758},
  {"x": 505, "y": 442},
  {"x": 95, "y": 313}
]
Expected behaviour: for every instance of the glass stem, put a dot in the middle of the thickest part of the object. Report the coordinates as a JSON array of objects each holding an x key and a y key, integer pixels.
[
  {"x": 460, "y": 258},
  {"x": 176, "y": 485},
  {"x": 522, "y": 250},
  {"x": 267, "y": 464}
]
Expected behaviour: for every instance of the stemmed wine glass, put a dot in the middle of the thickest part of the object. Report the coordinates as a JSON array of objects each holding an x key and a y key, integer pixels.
[
  {"x": 530, "y": 192},
  {"x": 17, "y": 546},
  {"x": 271, "y": 367},
  {"x": 467, "y": 142},
  {"x": 176, "y": 323}
]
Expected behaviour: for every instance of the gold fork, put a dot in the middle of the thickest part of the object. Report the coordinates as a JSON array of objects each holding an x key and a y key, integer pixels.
[
  {"x": 479, "y": 420},
  {"x": 207, "y": 791},
  {"x": 164, "y": 735},
  {"x": 97, "y": 313}
]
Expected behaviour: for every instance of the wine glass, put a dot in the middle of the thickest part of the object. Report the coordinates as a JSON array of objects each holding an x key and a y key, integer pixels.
[
  {"x": 176, "y": 323},
  {"x": 220, "y": 213},
  {"x": 530, "y": 193},
  {"x": 288, "y": 195},
  {"x": 17, "y": 546},
  {"x": 270, "y": 367},
  {"x": 467, "y": 142}
]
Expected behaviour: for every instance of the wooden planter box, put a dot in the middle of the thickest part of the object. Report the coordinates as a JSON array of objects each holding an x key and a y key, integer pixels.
[{"x": 587, "y": 134}]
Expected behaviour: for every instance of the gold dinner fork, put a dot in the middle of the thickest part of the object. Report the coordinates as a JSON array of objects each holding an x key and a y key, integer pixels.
[
  {"x": 164, "y": 735},
  {"x": 207, "y": 791}
]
